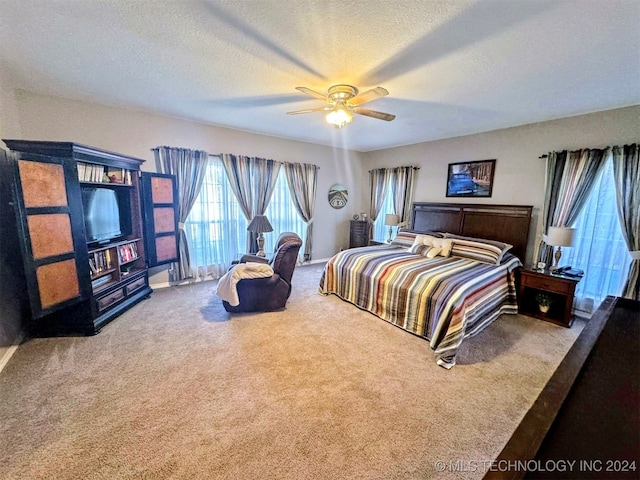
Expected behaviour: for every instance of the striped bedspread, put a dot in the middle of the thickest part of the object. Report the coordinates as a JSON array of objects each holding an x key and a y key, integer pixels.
[{"x": 444, "y": 300}]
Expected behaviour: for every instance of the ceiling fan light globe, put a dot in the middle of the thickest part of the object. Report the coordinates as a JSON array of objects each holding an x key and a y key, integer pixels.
[{"x": 339, "y": 117}]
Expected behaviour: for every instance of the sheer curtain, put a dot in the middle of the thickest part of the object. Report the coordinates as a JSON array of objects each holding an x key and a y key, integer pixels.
[
  {"x": 217, "y": 227},
  {"x": 599, "y": 247},
  {"x": 282, "y": 214},
  {"x": 380, "y": 230}
]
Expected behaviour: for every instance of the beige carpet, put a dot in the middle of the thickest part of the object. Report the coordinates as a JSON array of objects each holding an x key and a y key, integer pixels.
[{"x": 177, "y": 388}]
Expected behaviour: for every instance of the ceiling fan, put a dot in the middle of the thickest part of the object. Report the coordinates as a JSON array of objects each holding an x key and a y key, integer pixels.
[{"x": 343, "y": 101}]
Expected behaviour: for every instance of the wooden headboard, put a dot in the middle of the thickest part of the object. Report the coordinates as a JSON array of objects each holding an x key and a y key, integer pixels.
[{"x": 506, "y": 223}]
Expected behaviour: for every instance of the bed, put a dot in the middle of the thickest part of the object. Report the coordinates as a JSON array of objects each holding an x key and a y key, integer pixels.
[{"x": 447, "y": 298}]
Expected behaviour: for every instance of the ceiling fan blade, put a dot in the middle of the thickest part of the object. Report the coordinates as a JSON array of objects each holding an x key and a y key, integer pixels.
[
  {"x": 367, "y": 96},
  {"x": 310, "y": 110},
  {"x": 372, "y": 113},
  {"x": 308, "y": 91}
]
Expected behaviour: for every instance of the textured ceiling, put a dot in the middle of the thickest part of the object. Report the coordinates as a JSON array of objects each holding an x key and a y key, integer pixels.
[{"x": 451, "y": 67}]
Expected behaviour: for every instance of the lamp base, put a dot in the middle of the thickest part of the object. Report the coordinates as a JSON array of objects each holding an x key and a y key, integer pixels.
[
  {"x": 261, "y": 246},
  {"x": 390, "y": 233},
  {"x": 556, "y": 257}
]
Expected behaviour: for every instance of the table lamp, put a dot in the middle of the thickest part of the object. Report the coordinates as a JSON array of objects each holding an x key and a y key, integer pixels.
[
  {"x": 559, "y": 237},
  {"x": 391, "y": 220},
  {"x": 260, "y": 224}
]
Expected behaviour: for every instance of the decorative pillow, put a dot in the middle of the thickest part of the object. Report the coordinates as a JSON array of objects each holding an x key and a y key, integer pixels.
[
  {"x": 424, "y": 240},
  {"x": 406, "y": 237},
  {"x": 433, "y": 252},
  {"x": 420, "y": 249},
  {"x": 480, "y": 251},
  {"x": 504, "y": 247},
  {"x": 444, "y": 245}
]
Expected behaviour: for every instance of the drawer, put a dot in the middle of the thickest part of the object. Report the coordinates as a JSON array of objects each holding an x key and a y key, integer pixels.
[
  {"x": 549, "y": 284},
  {"x": 108, "y": 300},
  {"x": 359, "y": 227},
  {"x": 137, "y": 285}
]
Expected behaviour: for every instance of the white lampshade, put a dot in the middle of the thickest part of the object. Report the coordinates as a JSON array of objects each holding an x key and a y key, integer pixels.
[
  {"x": 560, "y": 236},
  {"x": 391, "y": 220}
]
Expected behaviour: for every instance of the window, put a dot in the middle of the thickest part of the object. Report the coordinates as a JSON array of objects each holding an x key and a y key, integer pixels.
[
  {"x": 217, "y": 229},
  {"x": 599, "y": 248},
  {"x": 282, "y": 214},
  {"x": 380, "y": 230}
]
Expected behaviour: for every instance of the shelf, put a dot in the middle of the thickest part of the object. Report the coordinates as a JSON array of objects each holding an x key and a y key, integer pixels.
[
  {"x": 95, "y": 173},
  {"x": 104, "y": 287},
  {"x": 108, "y": 183},
  {"x": 132, "y": 273},
  {"x": 102, "y": 273},
  {"x": 113, "y": 245}
]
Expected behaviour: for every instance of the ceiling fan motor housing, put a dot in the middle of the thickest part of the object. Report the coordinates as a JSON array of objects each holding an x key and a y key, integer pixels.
[{"x": 342, "y": 93}]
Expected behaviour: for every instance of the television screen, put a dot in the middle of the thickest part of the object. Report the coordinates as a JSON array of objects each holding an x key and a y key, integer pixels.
[{"x": 105, "y": 213}]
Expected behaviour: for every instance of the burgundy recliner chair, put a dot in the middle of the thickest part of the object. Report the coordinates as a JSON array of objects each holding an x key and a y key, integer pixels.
[{"x": 270, "y": 293}]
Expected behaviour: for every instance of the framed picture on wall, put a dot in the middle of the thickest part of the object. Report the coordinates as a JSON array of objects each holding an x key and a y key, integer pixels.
[{"x": 471, "y": 179}]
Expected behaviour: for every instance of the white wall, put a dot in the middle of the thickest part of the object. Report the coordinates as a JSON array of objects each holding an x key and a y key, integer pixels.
[
  {"x": 9, "y": 121},
  {"x": 519, "y": 175},
  {"x": 134, "y": 133}
]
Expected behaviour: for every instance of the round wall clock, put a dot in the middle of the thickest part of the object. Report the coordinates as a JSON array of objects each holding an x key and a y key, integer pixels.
[{"x": 338, "y": 196}]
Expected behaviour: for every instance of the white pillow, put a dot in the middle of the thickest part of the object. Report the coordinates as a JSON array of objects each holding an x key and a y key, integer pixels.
[
  {"x": 445, "y": 246},
  {"x": 424, "y": 240}
]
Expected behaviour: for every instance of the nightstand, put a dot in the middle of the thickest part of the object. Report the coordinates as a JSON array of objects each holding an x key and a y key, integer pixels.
[
  {"x": 560, "y": 288},
  {"x": 359, "y": 233}
]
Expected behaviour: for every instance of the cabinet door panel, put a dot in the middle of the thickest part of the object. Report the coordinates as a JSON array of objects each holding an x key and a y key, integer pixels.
[
  {"x": 160, "y": 212},
  {"x": 43, "y": 184},
  {"x": 57, "y": 282},
  {"x": 50, "y": 234},
  {"x": 166, "y": 249},
  {"x": 164, "y": 219},
  {"x": 50, "y": 252}
]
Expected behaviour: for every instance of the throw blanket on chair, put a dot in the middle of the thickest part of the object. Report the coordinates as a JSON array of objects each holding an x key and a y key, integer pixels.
[{"x": 226, "y": 289}]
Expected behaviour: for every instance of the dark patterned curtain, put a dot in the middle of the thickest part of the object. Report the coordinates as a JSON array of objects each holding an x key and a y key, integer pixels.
[
  {"x": 189, "y": 168},
  {"x": 378, "y": 180},
  {"x": 570, "y": 176},
  {"x": 626, "y": 171},
  {"x": 402, "y": 186},
  {"x": 302, "y": 180},
  {"x": 252, "y": 180}
]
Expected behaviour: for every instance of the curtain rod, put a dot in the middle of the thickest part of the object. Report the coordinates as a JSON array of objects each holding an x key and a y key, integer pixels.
[{"x": 384, "y": 168}]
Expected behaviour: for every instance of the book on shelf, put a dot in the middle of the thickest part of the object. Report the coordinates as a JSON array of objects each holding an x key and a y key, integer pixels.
[
  {"x": 92, "y": 266},
  {"x": 100, "y": 261},
  {"x": 128, "y": 252},
  {"x": 90, "y": 172}
]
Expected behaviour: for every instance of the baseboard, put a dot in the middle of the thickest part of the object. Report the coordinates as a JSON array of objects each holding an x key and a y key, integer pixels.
[
  {"x": 320, "y": 260},
  {"x": 10, "y": 350},
  {"x": 176, "y": 284}
]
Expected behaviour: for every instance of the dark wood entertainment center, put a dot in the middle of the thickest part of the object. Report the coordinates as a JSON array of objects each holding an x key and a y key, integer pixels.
[{"x": 74, "y": 283}]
